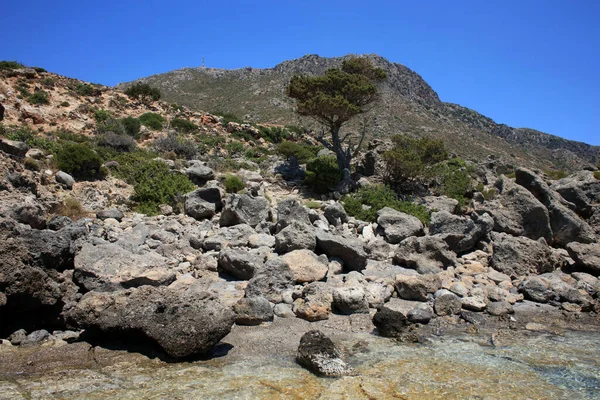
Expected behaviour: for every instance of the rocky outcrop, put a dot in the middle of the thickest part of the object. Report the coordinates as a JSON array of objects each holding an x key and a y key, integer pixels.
[
  {"x": 244, "y": 209},
  {"x": 181, "y": 323},
  {"x": 295, "y": 236}
]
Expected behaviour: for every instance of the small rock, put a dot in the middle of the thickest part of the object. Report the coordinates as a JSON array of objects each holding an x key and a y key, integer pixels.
[
  {"x": 419, "y": 315},
  {"x": 318, "y": 354},
  {"x": 283, "y": 311},
  {"x": 499, "y": 308},
  {"x": 18, "y": 337},
  {"x": 112, "y": 213},
  {"x": 253, "y": 311},
  {"x": 447, "y": 304},
  {"x": 65, "y": 179}
]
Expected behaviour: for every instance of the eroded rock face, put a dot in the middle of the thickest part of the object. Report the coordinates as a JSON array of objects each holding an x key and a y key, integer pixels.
[
  {"x": 318, "y": 354},
  {"x": 181, "y": 323},
  {"x": 397, "y": 225},
  {"x": 426, "y": 254},
  {"x": 518, "y": 256},
  {"x": 350, "y": 251},
  {"x": 244, "y": 209}
]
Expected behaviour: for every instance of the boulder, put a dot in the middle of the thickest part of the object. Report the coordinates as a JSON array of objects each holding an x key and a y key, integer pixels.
[
  {"x": 58, "y": 222},
  {"x": 581, "y": 189},
  {"x": 274, "y": 278},
  {"x": 500, "y": 308},
  {"x": 419, "y": 316},
  {"x": 30, "y": 212},
  {"x": 240, "y": 263},
  {"x": 54, "y": 249},
  {"x": 305, "y": 265},
  {"x": 417, "y": 287},
  {"x": 13, "y": 147},
  {"x": 318, "y": 354},
  {"x": 447, "y": 304},
  {"x": 65, "y": 179},
  {"x": 390, "y": 322},
  {"x": 295, "y": 236},
  {"x": 397, "y": 225},
  {"x": 203, "y": 202},
  {"x": 315, "y": 303},
  {"x": 108, "y": 267},
  {"x": 426, "y": 254},
  {"x": 234, "y": 236},
  {"x": 335, "y": 214},
  {"x": 244, "y": 209},
  {"x": 519, "y": 256},
  {"x": 182, "y": 323},
  {"x": 289, "y": 210},
  {"x": 586, "y": 256},
  {"x": 253, "y": 311},
  {"x": 350, "y": 300},
  {"x": 199, "y": 173},
  {"x": 350, "y": 251},
  {"x": 440, "y": 203},
  {"x": 537, "y": 289},
  {"x": 112, "y": 213},
  {"x": 461, "y": 233}
]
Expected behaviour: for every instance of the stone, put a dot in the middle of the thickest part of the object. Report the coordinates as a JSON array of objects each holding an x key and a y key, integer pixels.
[
  {"x": 58, "y": 222},
  {"x": 427, "y": 254},
  {"x": 306, "y": 266},
  {"x": 283, "y": 311},
  {"x": 500, "y": 308},
  {"x": 318, "y": 354},
  {"x": 419, "y": 316},
  {"x": 36, "y": 337},
  {"x": 112, "y": 213},
  {"x": 461, "y": 233},
  {"x": 447, "y": 304},
  {"x": 335, "y": 214},
  {"x": 586, "y": 256},
  {"x": 417, "y": 287},
  {"x": 253, "y": 311},
  {"x": 64, "y": 179},
  {"x": 199, "y": 173},
  {"x": 473, "y": 303},
  {"x": 460, "y": 289},
  {"x": 244, "y": 209},
  {"x": 350, "y": 300},
  {"x": 271, "y": 281},
  {"x": 240, "y": 263},
  {"x": 13, "y": 147},
  {"x": 108, "y": 266},
  {"x": 390, "y": 322},
  {"x": 295, "y": 236},
  {"x": 234, "y": 236},
  {"x": 350, "y": 251},
  {"x": 203, "y": 203},
  {"x": 36, "y": 154},
  {"x": 315, "y": 303},
  {"x": 30, "y": 212},
  {"x": 289, "y": 210},
  {"x": 519, "y": 256},
  {"x": 537, "y": 289},
  {"x": 497, "y": 277},
  {"x": 440, "y": 203},
  {"x": 182, "y": 323},
  {"x": 397, "y": 225},
  {"x": 581, "y": 189},
  {"x": 379, "y": 249},
  {"x": 17, "y": 337},
  {"x": 261, "y": 240}
]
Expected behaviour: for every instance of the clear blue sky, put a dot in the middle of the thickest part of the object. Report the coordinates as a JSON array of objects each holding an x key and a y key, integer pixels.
[{"x": 526, "y": 63}]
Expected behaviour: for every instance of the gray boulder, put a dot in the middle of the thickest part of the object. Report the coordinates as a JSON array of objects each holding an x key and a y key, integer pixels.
[
  {"x": 537, "y": 289},
  {"x": 581, "y": 189},
  {"x": 397, "y": 225},
  {"x": 181, "y": 323},
  {"x": 447, "y": 304},
  {"x": 350, "y": 251},
  {"x": 240, "y": 263},
  {"x": 13, "y": 147},
  {"x": 315, "y": 303},
  {"x": 203, "y": 202},
  {"x": 274, "y": 278},
  {"x": 112, "y": 213},
  {"x": 335, "y": 214},
  {"x": 244, "y": 209},
  {"x": 199, "y": 173},
  {"x": 289, "y": 210},
  {"x": 295, "y": 236},
  {"x": 350, "y": 300},
  {"x": 519, "y": 256},
  {"x": 417, "y": 287},
  {"x": 586, "y": 256},
  {"x": 234, "y": 236},
  {"x": 426, "y": 254},
  {"x": 253, "y": 311},
  {"x": 318, "y": 354},
  {"x": 64, "y": 179},
  {"x": 461, "y": 233}
]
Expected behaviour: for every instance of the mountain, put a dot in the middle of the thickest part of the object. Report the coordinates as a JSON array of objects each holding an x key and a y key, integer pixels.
[{"x": 407, "y": 105}]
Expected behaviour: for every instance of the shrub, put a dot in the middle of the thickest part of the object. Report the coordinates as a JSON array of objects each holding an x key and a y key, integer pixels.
[
  {"x": 365, "y": 203},
  {"x": 228, "y": 117},
  {"x": 69, "y": 136},
  {"x": 118, "y": 142},
  {"x": 47, "y": 82},
  {"x": 220, "y": 164},
  {"x": 183, "y": 125},
  {"x": 39, "y": 97},
  {"x": 453, "y": 178},
  {"x": 488, "y": 194},
  {"x": 84, "y": 89},
  {"x": 555, "y": 174},
  {"x": 233, "y": 183},
  {"x": 143, "y": 92},
  {"x": 313, "y": 205},
  {"x": 179, "y": 145},
  {"x": 322, "y": 173},
  {"x": 152, "y": 120},
  {"x": 22, "y": 133},
  {"x": 9, "y": 65},
  {"x": 234, "y": 148},
  {"x": 302, "y": 151},
  {"x": 597, "y": 175},
  {"x": 32, "y": 164},
  {"x": 65, "y": 104},
  {"x": 72, "y": 208},
  {"x": 273, "y": 134},
  {"x": 102, "y": 115},
  {"x": 79, "y": 160},
  {"x": 132, "y": 126},
  {"x": 409, "y": 158},
  {"x": 257, "y": 154},
  {"x": 110, "y": 124},
  {"x": 207, "y": 143}
]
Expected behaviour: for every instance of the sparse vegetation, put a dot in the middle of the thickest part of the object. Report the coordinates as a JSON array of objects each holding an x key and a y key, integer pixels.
[
  {"x": 183, "y": 125},
  {"x": 233, "y": 183},
  {"x": 234, "y": 148},
  {"x": 32, "y": 164},
  {"x": 84, "y": 89},
  {"x": 72, "y": 208},
  {"x": 301, "y": 151},
  {"x": 10, "y": 65},
  {"x": 118, "y": 142},
  {"x": 313, "y": 205},
  {"x": 322, "y": 173},
  {"x": 453, "y": 178},
  {"x": 39, "y": 97},
  {"x": 410, "y": 157},
  {"x": 177, "y": 144},
  {"x": 597, "y": 175},
  {"x": 79, "y": 160},
  {"x": 143, "y": 93},
  {"x": 152, "y": 121},
  {"x": 227, "y": 117},
  {"x": 555, "y": 174},
  {"x": 132, "y": 126}
]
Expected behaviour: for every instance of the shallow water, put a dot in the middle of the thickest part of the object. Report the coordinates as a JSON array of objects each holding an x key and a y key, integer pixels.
[{"x": 543, "y": 366}]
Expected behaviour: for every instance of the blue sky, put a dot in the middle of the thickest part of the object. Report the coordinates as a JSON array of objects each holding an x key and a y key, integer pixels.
[{"x": 527, "y": 63}]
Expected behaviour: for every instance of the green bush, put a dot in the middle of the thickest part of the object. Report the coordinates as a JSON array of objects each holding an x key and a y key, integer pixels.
[
  {"x": 177, "y": 144},
  {"x": 233, "y": 148},
  {"x": 65, "y": 104},
  {"x": 453, "y": 178},
  {"x": 118, "y": 142},
  {"x": 410, "y": 157},
  {"x": 79, "y": 160},
  {"x": 106, "y": 123},
  {"x": 32, "y": 164},
  {"x": 143, "y": 92},
  {"x": 233, "y": 183},
  {"x": 84, "y": 89},
  {"x": 597, "y": 175},
  {"x": 152, "y": 121},
  {"x": 9, "y": 65},
  {"x": 47, "y": 82},
  {"x": 39, "y": 97},
  {"x": 206, "y": 143},
  {"x": 22, "y": 133},
  {"x": 69, "y": 136},
  {"x": 302, "y": 151},
  {"x": 102, "y": 115},
  {"x": 228, "y": 117},
  {"x": 132, "y": 126},
  {"x": 365, "y": 203},
  {"x": 273, "y": 134},
  {"x": 183, "y": 125},
  {"x": 322, "y": 173},
  {"x": 257, "y": 154},
  {"x": 555, "y": 174}
]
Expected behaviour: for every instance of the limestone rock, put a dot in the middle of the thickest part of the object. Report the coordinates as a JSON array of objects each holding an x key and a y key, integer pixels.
[
  {"x": 305, "y": 265},
  {"x": 397, "y": 225},
  {"x": 317, "y": 353}
]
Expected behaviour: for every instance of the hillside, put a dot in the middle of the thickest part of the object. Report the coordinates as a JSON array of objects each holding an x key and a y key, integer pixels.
[{"x": 407, "y": 105}]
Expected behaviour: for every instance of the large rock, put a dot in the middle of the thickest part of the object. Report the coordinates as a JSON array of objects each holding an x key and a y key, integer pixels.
[
  {"x": 65, "y": 179},
  {"x": 306, "y": 266},
  {"x": 295, "y": 236},
  {"x": 397, "y": 225},
  {"x": 244, "y": 209},
  {"x": 586, "y": 256},
  {"x": 274, "y": 278},
  {"x": 518, "y": 256},
  {"x": 516, "y": 211},
  {"x": 240, "y": 263},
  {"x": 335, "y": 214},
  {"x": 317, "y": 353},
  {"x": 13, "y": 147},
  {"x": 203, "y": 202},
  {"x": 581, "y": 189},
  {"x": 234, "y": 236},
  {"x": 108, "y": 266},
  {"x": 315, "y": 303},
  {"x": 199, "y": 173},
  {"x": 289, "y": 210},
  {"x": 350, "y": 300},
  {"x": 111, "y": 213},
  {"x": 461, "y": 233},
  {"x": 566, "y": 225},
  {"x": 447, "y": 304},
  {"x": 253, "y": 311},
  {"x": 426, "y": 254},
  {"x": 390, "y": 322},
  {"x": 350, "y": 251},
  {"x": 181, "y": 323},
  {"x": 417, "y": 287}
]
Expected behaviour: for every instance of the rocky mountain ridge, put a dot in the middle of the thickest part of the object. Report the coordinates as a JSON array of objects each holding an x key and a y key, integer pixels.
[{"x": 407, "y": 105}]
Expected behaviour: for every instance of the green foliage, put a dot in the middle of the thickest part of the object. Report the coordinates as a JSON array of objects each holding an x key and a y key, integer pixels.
[
  {"x": 257, "y": 154},
  {"x": 228, "y": 117},
  {"x": 65, "y": 104},
  {"x": 365, "y": 203},
  {"x": 206, "y": 143},
  {"x": 233, "y": 148},
  {"x": 597, "y": 175},
  {"x": 322, "y": 173},
  {"x": 102, "y": 115},
  {"x": 152, "y": 121},
  {"x": 47, "y": 82},
  {"x": 131, "y": 126},
  {"x": 273, "y": 134},
  {"x": 488, "y": 194},
  {"x": 183, "y": 125},
  {"x": 221, "y": 164},
  {"x": 302, "y": 151},
  {"x": 22, "y": 133},
  {"x": 177, "y": 144},
  {"x": 313, "y": 205},
  {"x": 233, "y": 183},
  {"x": 10, "y": 65},
  {"x": 409, "y": 158},
  {"x": 118, "y": 142},
  {"x": 555, "y": 174},
  {"x": 105, "y": 123},
  {"x": 84, "y": 89},
  {"x": 69, "y": 136},
  {"x": 79, "y": 160},
  {"x": 454, "y": 178},
  {"x": 39, "y": 97},
  {"x": 143, "y": 92}
]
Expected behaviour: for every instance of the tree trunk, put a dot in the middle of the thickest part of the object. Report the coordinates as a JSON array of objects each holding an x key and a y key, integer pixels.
[{"x": 343, "y": 159}]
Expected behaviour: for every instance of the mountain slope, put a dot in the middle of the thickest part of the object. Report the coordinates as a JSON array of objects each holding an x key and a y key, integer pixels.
[{"x": 407, "y": 105}]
